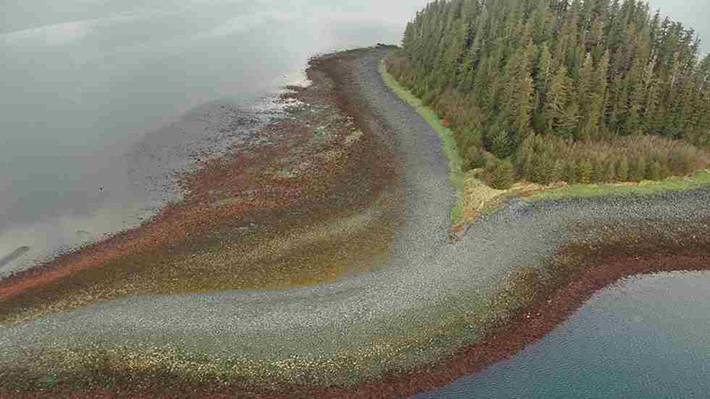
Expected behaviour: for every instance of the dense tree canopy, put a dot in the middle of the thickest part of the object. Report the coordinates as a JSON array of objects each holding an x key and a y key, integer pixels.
[{"x": 507, "y": 72}]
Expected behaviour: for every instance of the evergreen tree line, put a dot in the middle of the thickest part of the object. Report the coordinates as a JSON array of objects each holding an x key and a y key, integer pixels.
[{"x": 517, "y": 78}]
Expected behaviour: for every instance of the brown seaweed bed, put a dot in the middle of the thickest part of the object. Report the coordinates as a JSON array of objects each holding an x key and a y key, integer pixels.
[
  {"x": 299, "y": 187},
  {"x": 274, "y": 213}
]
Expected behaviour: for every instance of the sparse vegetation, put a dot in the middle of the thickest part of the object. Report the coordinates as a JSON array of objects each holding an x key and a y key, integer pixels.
[{"x": 700, "y": 179}]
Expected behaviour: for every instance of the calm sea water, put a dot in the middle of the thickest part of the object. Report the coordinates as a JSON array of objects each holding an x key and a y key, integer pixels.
[
  {"x": 101, "y": 99},
  {"x": 648, "y": 337}
]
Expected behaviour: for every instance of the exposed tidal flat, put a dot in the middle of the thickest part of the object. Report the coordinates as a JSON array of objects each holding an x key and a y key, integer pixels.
[{"x": 415, "y": 311}]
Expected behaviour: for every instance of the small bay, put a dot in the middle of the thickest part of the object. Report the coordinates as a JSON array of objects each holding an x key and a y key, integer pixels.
[{"x": 645, "y": 337}]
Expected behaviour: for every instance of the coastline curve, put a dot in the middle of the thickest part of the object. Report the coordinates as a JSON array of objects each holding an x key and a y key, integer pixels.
[{"x": 434, "y": 301}]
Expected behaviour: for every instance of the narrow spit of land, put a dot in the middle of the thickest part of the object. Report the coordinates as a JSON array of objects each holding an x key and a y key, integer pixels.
[
  {"x": 430, "y": 312},
  {"x": 308, "y": 200}
]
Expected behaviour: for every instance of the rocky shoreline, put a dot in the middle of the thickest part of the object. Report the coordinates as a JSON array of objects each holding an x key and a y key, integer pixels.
[
  {"x": 431, "y": 312},
  {"x": 248, "y": 211}
]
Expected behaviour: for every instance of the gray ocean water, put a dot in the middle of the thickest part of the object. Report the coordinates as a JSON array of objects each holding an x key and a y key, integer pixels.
[{"x": 101, "y": 101}]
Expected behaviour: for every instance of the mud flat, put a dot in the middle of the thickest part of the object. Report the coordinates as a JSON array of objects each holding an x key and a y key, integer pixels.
[{"x": 426, "y": 312}]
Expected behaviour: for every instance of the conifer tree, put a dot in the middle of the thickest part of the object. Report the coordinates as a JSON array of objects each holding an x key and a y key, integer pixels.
[
  {"x": 622, "y": 170},
  {"x": 502, "y": 176},
  {"x": 575, "y": 71},
  {"x": 569, "y": 173},
  {"x": 585, "y": 171},
  {"x": 654, "y": 171},
  {"x": 542, "y": 75},
  {"x": 500, "y": 142},
  {"x": 523, "y": 108},
  {"x": 528, "y": 167},
  {"x": 597, "y": 171},
  {"x": 637, "y": 169},
  {"x": 609, "y": 172},
  {"x": 557, "y": 101},
  {"x": 589, "y": 102}
]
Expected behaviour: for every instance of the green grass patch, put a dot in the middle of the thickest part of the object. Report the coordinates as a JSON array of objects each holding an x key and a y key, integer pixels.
[
  {"x": 449, "y": 145},
  {"x": 700, "y": 179}
]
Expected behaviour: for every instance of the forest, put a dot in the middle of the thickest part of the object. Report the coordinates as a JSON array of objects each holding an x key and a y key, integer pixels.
[{"x": 581, "y": 91}]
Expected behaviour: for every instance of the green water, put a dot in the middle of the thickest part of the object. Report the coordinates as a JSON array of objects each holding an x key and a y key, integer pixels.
[{"x": 647, "y": 337}]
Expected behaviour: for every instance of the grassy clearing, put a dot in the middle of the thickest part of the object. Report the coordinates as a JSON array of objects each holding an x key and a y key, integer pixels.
[
  {"x": 449, "y": 145},
  {"x": 699, "y": 179}
]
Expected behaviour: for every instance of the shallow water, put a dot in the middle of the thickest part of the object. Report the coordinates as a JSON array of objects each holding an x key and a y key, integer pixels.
[
  {"x": 98, "y": 99},
  {"x": 646, "y": 337}
]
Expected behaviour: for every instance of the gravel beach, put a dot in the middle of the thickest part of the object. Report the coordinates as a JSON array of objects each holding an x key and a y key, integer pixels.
[{"x": 427, "y": 300}]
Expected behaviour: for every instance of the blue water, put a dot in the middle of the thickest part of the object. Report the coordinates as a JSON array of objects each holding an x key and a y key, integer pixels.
[{"x": 647, "y": 337}]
